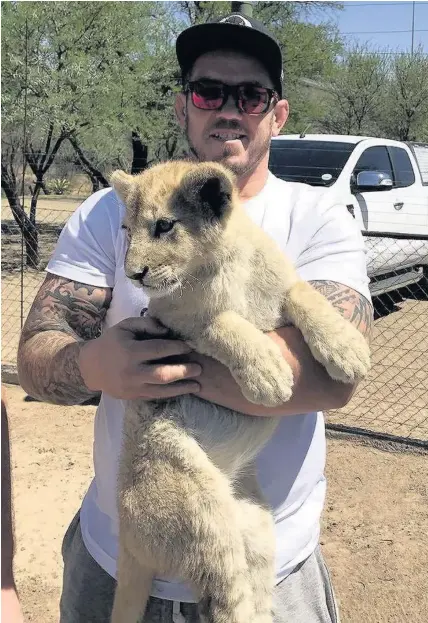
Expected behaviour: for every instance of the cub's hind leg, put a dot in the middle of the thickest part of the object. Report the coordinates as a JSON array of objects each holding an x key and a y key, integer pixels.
[
  {"x": 133, "y": 586},
  {"x": 258, "y": 531}
]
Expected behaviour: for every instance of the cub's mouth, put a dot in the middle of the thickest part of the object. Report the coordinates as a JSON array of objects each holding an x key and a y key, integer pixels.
[{"x": 157, "y": 289}]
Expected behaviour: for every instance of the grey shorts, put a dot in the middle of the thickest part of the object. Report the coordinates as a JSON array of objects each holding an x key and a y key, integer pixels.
[{"x": 305, "y": 596}]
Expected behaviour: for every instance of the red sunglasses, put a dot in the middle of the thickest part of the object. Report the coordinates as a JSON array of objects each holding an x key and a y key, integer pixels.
[{"x": 249, "y": 98}]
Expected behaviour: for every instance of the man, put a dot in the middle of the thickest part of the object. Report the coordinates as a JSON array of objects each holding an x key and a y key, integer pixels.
[{"x": 230, "y": 107}]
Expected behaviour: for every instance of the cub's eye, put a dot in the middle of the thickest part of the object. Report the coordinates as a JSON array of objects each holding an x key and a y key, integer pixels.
[{"x": 163, "y": 226}]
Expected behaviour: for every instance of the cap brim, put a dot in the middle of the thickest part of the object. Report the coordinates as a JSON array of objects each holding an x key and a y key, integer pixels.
[{"x": 203, "y": 38}]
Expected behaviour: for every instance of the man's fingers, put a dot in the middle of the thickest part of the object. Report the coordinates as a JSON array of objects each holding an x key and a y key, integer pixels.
[
  {"x": 164, "y": 374},
  {"x": 145, "y": 324},
  {"x": 150, "y": 350},
  {"x": 179, "y": 388},
  {"x": 152, "y": 391}
]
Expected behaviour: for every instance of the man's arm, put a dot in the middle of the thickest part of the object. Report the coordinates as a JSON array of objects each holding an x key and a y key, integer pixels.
[
  {"x": 349, "y": 303},
  {"x": 313, "y": 389},
  {"x": 64, "y": 314}
]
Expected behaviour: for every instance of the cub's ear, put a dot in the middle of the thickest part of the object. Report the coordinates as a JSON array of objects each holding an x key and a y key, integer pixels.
[
  {"x": 122, "y": 183},
  {"x": 212, "y": 193}
]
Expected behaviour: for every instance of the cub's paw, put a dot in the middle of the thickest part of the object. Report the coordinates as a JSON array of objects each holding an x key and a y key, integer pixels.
[
  {"x": 265, "y": 378},
  {"x": 345, "y": 354}
]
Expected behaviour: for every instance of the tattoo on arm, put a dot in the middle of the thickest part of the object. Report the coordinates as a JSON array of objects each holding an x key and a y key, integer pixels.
[
  {"x": 349, "y": 303},
  {"x": 64, "y": 314}
]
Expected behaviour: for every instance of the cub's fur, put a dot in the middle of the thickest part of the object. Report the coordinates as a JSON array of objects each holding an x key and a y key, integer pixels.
[{"x": 188, "y": 501}]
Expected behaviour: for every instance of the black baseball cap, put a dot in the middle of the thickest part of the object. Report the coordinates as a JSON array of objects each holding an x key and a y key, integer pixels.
[{"x": 236, "y": 32}]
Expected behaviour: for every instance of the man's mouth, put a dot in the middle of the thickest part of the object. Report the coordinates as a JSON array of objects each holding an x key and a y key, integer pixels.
[{"x": 223, "y": 135}]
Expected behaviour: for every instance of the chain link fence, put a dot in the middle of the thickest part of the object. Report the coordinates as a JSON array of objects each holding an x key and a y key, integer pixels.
[
  {"x": 393, "y": 400},
  {"x": 20, "y": 281}
]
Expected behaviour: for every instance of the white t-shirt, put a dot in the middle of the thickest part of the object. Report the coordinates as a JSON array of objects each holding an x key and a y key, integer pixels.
[{"x": 324, "y": 242}]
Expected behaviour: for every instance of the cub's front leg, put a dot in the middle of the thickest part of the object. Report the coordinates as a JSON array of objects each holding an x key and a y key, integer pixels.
[
  {"x": 254, "y": 360},
  {"x": 333, "y": 341}
]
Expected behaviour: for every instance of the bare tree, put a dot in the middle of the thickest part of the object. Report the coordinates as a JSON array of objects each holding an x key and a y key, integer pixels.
[
  {"x": 355, "y": 91},
  {"x": 11, "y": 162},
  {"x": 405, "y": 102}
]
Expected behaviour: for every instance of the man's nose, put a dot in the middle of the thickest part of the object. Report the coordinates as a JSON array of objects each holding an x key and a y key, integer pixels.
[{"x": 230, "y": 108}]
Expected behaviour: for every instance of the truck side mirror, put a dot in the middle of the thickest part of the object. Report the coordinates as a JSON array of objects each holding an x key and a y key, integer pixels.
[{"x": 373, "y": 180}]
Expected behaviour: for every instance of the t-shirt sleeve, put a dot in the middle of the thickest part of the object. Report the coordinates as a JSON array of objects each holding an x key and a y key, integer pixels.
[
  {"x": 336, "y": 250},
  {"x": 86, "y": 248}
]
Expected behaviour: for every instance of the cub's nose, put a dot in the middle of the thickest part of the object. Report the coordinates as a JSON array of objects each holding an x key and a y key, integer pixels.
[{"x": 139, "y": 276}]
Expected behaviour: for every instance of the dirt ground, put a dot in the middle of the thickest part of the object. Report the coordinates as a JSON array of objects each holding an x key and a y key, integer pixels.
[
  {"x": 393, "y": 398},
  {"x": 374, "y": 526}
]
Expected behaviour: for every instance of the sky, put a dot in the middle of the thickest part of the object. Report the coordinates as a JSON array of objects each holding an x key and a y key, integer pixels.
[{"x": 378, "y": 23}]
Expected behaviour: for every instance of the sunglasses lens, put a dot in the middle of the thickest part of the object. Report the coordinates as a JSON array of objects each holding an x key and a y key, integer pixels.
[
  {"x": 251, "y": 99},
  {"x": 207, "y": 96},
  {"x": 254, "y": 100}
]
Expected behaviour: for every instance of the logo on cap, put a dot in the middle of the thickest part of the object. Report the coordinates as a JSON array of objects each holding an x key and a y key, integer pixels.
[{"x": 238, "y": 20}]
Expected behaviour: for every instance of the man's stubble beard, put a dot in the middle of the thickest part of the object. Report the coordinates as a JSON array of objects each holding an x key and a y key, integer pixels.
[{"x": 240, "y": 170}]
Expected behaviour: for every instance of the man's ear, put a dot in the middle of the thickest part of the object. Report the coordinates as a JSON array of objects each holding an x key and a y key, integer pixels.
[
  {"x": 280, "y": 116},
  {"x": 211, "y": 192},
  {"x": 180, "y": 109},
  {"x": 122, "y": 183}
]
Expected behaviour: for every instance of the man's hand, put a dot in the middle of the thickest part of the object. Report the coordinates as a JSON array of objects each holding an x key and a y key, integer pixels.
[
  {"x": 65, "y": 357},
  {"x": 123, "y": 362}
]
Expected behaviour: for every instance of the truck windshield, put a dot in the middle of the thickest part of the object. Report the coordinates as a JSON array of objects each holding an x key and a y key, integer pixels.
[{"x": 317, "y": 163}]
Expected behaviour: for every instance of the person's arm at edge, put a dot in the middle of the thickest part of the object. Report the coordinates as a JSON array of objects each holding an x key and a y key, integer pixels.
[
  {"x": 10, "y": 607},
  {"x": 313, "y": 389}
]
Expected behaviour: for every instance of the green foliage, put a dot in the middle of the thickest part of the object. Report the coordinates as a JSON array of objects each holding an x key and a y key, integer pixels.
[
  {"x": 79, "y": 61},
  {"x": 377, "y": 93},
  {"x": 309, "y": 51},
  {"x": 59, "y": 185},
  {"x": 404, "y": 114},
  {"x": 101, "y": 72},
  {"x": 354, "y": 92}
]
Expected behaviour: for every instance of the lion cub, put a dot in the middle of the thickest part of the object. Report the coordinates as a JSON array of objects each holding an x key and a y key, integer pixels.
[{"x": 188, "y": 500}]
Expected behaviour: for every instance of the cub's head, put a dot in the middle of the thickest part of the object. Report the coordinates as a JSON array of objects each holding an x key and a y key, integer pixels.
[{"x": 176, "y": 217}]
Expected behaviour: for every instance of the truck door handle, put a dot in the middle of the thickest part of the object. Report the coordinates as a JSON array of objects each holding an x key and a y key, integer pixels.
[{"x": 398, "y": 205}]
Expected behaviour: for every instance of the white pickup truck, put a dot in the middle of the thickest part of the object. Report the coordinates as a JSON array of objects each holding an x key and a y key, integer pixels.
[{"x": 383, "y": 183}]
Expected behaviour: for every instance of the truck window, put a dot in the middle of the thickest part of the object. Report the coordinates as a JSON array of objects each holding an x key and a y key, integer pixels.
[
  {"x": 374, "y": 159},
  {"x": 318, "y": 163},
  {"x": 403, "y": 170},
  {"x": 420, "y": 152}
]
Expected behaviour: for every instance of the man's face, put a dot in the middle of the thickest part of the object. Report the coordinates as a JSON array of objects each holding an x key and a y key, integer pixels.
[{"x": 238, "y": 140}]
